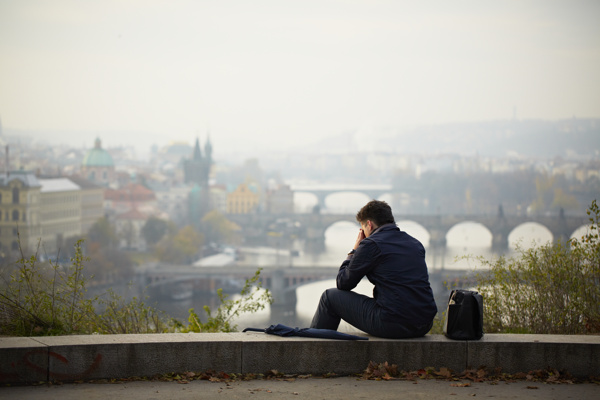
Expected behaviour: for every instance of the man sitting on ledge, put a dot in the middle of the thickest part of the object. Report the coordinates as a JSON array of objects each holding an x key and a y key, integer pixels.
[{"x": 402, "y": 305}]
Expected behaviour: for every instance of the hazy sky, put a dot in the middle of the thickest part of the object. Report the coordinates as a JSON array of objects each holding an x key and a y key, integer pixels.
[{"x": 267, "y": 74}]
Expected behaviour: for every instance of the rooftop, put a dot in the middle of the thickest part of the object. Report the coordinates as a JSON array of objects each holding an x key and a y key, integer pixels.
[
  {"x": 27, "y": 177},
  {"x": 58, "y": 185}
]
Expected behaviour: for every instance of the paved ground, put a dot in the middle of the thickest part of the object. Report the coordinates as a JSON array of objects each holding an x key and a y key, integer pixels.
[{"x": 311, "y": 388}]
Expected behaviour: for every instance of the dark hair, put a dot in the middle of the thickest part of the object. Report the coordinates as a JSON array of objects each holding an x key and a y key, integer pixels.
[{"x": 377, "y": 211}]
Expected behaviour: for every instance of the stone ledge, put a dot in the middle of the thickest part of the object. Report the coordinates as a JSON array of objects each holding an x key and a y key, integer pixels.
[{"x": 69, "y": 358}]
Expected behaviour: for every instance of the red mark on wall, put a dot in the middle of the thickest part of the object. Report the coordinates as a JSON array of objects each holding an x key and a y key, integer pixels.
[{"x": 45, "y": 370}]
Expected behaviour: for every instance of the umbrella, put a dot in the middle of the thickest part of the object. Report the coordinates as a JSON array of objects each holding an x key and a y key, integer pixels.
[{"x": 283, "y": 330}]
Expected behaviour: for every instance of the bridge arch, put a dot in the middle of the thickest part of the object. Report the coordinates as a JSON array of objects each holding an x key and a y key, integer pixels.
[
  {"x": 579, "y": 232},
  {"x": 308, "y": 294},
  {"x": 371, "y": 191},
  {"x": 387, "y": 197},
  {"x": 344, "y": 224},
  {"x": 305, "y": 202},
  {"x": 528, "y": 234},
  {"x": 312, "y": 226},
  {"x": 345, "y": 202},
  {"x": 333, "y": 219},
  {"x": 469, "y": 233},
  {"x": 415, "y": 230},
  {"x": 340, "y": 236}
]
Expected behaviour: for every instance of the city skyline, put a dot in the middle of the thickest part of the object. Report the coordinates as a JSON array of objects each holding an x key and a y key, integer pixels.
[{"x": 272, "y": 76}]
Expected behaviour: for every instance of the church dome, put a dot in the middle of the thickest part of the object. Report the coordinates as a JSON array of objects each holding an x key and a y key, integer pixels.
[{"x": 98, "y": 157}]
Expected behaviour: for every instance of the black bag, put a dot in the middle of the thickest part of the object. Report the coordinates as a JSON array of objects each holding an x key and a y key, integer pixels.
[{"x": 464, "y": 316}]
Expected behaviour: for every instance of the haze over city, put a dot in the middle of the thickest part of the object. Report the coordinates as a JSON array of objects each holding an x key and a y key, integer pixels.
[
  {"x": 265, "y": 76},
  {"x": 164, "y": 139}
]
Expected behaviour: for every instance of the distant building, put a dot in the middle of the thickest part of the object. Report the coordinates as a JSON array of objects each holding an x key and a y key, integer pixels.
[
  {"x": 50, "y": 210},
  {"x": 280, "y": 200},
  {"x": 130, "y": 207},
  {"x": 92, "y": 202},
  {"x": 172, "y": 154},
  {"x": 218, "y": 198},
  {"x": 134, "y": 195},
  {"x": 98, "y": 165},
  {"x": 60, "y": 212},
  {"x": 129, "y": 230},
  {"x": 20, "y": 200},
  {"x": 243, "y": 200},
  {"x": 197, "y": 169},
  {"x": 172, "y": 201},
  {"x": 197, "y": 173},
  {"x": 195, "y": 206}
]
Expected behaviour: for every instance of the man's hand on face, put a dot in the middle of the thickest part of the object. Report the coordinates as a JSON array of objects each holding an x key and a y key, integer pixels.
[{"x": 361, "y": 236}]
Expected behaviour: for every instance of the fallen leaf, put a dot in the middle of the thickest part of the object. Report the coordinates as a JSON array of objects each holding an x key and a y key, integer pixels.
[
  {"x": 223, "y": 375},
  {"x": 460, "y": 384},
  {"x": 444, "y": 372}
]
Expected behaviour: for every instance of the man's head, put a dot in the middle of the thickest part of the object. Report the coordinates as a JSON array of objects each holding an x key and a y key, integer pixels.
[{"x": 374, "y": 214}]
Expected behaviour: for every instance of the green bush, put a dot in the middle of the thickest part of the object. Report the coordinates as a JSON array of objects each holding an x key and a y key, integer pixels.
[
  {"x": 550, "y": 289},
  {"x": 46, "y": 299},
  {"x": 43, "y": 299},
  {"x": 135, "y": 316}
]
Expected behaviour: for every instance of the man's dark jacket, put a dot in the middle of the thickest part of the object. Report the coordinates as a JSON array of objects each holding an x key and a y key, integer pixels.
[{"x": 394, "y": 262}]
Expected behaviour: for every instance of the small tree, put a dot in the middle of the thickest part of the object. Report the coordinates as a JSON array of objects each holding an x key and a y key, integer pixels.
[
  {"x": 551, "y": 289},
  {"x": 218, "y": 228},
  {"x": 103, "y": 232},
  {"x": 154, "y": 229},
  {"x": 180, "y": 248}
]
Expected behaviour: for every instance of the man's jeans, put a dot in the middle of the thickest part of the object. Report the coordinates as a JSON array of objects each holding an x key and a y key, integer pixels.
[{"x": 361, "y": 312}]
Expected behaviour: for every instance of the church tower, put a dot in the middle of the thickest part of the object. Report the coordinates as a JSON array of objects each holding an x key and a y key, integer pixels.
[
  {"x": 197, "y": 173},
  {"x": 98, "y": 166},
  {"x": 197, "y": 168},
  {"x": 207, "y": 159}
]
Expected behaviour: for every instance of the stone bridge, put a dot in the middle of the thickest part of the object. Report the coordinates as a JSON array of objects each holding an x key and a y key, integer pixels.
[
  {"x": 372, "y": 191},
  {"x": 281, "y": 281},
  {"x": 312, "y": 227}
]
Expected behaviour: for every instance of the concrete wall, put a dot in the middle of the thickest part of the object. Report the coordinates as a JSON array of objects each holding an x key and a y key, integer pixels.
[{"x": 69, "y": 358}]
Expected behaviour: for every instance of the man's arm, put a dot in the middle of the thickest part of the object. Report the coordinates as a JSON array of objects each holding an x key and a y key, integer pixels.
[{"x": 357, "y": 265}]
